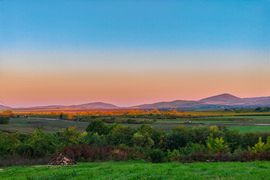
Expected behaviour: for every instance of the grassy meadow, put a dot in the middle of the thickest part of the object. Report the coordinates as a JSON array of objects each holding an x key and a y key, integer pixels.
[
  {"x": 141, "y": 170},
  {"x": 244, "y": 124},
  {"x": 49, "y": 126}
]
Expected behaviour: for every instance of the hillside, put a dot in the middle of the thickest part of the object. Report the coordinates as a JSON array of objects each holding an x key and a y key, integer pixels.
[
  {"x": 223, "y": 99},
  {"x": 4, "y": 107},
  {"x": 173, "y": 104},
  {"x": 213, "y": 102},
  {"x": 95, "y": 105}
]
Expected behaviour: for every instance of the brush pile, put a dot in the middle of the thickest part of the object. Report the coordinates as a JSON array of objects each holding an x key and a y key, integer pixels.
[{"x": 62, "y": 160}]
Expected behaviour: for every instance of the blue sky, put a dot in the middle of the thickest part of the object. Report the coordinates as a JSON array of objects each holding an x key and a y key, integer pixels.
[
  {"x": 132, "y": 52},
  {"x": 240, "y": 24}
]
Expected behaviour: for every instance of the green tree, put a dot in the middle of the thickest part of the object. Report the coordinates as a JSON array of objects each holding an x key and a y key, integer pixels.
[
  {"x": 98, "y": 126},
  {"x": 4, "y": 119},
  {"x": 216, "y": 145},
  {"x": 142, "y": 140},
  {"x": 120, "y": 135}
]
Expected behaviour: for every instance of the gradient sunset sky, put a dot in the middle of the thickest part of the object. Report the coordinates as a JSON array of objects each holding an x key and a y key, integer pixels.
[{"x": 132, "y": 52}]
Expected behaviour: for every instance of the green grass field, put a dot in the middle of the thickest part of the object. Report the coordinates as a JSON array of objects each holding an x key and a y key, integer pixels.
[
  {"x": 141, "y": 170},
  {"x": 50, "y": 126},
  {"x": 26, "y": 126},
  {"x": 245, "y": 129}
]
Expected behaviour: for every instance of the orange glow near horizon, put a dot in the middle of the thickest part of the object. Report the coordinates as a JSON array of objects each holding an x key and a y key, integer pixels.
[{"x": 126, "y": 89}]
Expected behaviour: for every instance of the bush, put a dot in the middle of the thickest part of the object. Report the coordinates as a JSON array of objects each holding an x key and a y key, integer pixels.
[
  {"x": 193, "y": 148},
  {"x": 216, "y": 145},
  {"x": 260, "y": 146},
  {"x": 70, "y": 136},
  {"x": 92, "y": 153},
  {"x": 233, "y": 139},
  {"x": 199, "y": 134},
  {"x": 4, "y": 119},
  {"x": 25, "y": 150},
  {"x": 91, "y": 138},
  {"x": 174, "y": 155},
  {"x": 98, "y": 126},
  {"x": 176, "y": 140},
  {"x": 120, "y": 135},
  {"x": 131, "y": 121},
  {"x": 8, "y": 143},
  {"x": 43, "y": 144},
  {"x": 155, "y": 156},
  {"x": 250, "y": 139},
  {"x": 142, "y": 140}
]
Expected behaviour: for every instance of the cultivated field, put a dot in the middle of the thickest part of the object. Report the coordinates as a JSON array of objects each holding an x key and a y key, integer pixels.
[{"x": 242, "y": 123}]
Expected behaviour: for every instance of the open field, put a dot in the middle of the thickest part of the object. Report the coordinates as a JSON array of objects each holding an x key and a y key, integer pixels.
[
  {"x": 141, "y": 170},
  {"x": 51, "y": 126},
  {"x": 245, "y": 129}
]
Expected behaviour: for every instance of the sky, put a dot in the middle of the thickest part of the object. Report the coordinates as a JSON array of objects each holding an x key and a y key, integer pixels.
[{"x": 132, "y": 52}]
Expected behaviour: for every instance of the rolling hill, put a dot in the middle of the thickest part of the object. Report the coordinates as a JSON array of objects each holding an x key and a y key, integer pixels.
[
  {"x": 172, "y": 104},
  {"x": 4, "y": 107},
  {"x": 218, "y": 101},
  {"x": 223, "y": 99},
  {"x": 95, "y": 105}
]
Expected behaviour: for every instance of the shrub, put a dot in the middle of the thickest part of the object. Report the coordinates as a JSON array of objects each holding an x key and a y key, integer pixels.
[
  {"x": 260, "y": 146},
  {"x": 193, "y": 148},
  {"x": 120, "y": 135},
  {"x": 173, "y": 155},
  {"x": 233, "y": 139},
  {"x": 131, "y": 121},
  {"x": 92, "y": 153},
  {"x": 43, "y": 144},
  {"x": 97, "y": 126},
  {"x": 8, "y": 143},
  {"x": 199, "y": 134},
  {"x": 4, "y": 119},
  {"x": 238, "y": 155},
  {"x": 176, "y": 140},
  {"x": 70, "y": 136},
  {"x": 155, "y": 156},
  {"x": 146, "y": 129},
  {"x": 250, "y": 139},
  {"x": 25, "y": 150},
  {"x": 142, "y": 140},
  {"x": 215, "y": 145},
  {"x": 158, "y": 138},
  {"x": 91, "y": 138},
  {"x": 200, "y": 156}
]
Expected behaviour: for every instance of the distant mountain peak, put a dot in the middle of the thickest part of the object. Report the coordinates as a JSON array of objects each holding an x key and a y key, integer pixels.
[
  {"x": 225, "y": 98},
  {"x": 4, "y": 107},
  {"x": 98, "y": 105}
]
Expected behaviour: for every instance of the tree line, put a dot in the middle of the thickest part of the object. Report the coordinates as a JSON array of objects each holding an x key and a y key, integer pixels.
[{"x": 101, "y": 142}]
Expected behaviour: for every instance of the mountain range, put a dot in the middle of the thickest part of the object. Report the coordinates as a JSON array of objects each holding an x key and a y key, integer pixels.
[{"x": 219, "y": 101}]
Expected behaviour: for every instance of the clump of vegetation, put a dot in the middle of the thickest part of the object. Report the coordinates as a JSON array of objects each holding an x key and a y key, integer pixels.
[
  {"x": 97, "y": 126},
  {"x": 4, "y": 119},
  {"x": 155, "y": 156},
  {"x": 102, "y": 142}
]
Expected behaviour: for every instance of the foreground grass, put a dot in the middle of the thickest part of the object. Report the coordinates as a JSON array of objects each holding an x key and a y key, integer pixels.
[{"x": 142, "y": 170}]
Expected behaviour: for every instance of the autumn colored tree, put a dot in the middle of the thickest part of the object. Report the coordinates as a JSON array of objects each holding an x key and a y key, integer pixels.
[
  {"x": 7, "y": 113},
  {"x": 70, "y": 116}
]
